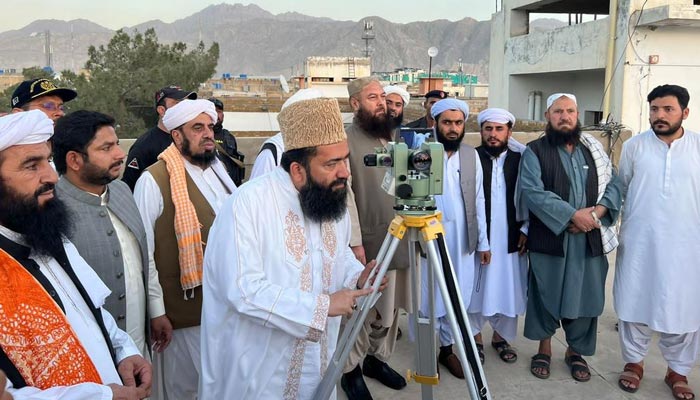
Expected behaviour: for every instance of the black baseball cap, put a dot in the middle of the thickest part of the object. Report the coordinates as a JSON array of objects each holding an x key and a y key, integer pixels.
[
  {"x": 436, "y": 93},
  {"x": 31, "y": 89},
  {"x": 217, "y": 103},
  {"x": 174, "y": 92}
]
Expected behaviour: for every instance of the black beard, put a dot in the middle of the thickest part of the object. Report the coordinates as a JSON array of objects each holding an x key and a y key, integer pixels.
[
  {"x": 396, "y": 121},
  {"x": 380, "y": 127},
  {"x": 559, "y": 138},
  {"x": 203, "y": 160},
  {"x": 323, "y": 204},
  {"x": 494, "y": 151},
  {"x": 96, "y": 176},
  {"x": 672, "y": 129},
  {"x": 449, "y": 144},
  {"x": 44, "y": 227}
]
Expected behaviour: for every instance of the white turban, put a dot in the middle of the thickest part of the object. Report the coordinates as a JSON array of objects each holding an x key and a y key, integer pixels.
[
  {"x": 28, "y": 127},
  {"x": 449, "y": 104},
  {"x": 398, "y": 90},
  {"x": 187, "y": 110},
  {"x": 302, "y": 94},
  {"x": 556, "y": 96},
  {"x": 497, "y": 115}
]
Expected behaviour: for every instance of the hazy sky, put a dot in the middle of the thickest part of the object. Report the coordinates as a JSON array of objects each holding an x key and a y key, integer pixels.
[{"x": 116, "y": 14}]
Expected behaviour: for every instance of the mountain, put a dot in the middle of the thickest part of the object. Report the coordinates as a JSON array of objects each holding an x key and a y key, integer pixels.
[{"x": 257, "y": 42}]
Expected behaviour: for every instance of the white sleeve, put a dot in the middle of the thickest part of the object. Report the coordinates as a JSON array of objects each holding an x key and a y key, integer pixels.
[
  {"x": 264, "y": 163},
  {"x": 626, "y": 167},
  {"x": 83, "y": 391},
  {"x": 149, "y": 201},
  {"x": 123, "y": 344},
  {"x": 483, "y": 243}
]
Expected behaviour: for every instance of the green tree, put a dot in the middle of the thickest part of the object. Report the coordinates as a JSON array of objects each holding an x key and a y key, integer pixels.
[{"x": 121, "y": 78}]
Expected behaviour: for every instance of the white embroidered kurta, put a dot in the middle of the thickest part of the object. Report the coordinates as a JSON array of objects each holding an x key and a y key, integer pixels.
[
  {"x": 501, "y": 286},
  {"x": 83, "y": 323},
  {"x": 268, "y": 273},
  {"x": 657, "y": 275},
  {"x": 454, "y": 222}
]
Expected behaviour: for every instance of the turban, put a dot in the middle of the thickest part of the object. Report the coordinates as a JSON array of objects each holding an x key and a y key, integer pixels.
[
  {"x": 311, "y": 123},
  {"x": 28, "y": 127},
  {"x": 302, "y": 94},
  {"x": 400, "y": 91},
  {"x": 355, "y": 86},
  {"x": 187, "y": 110},
  {"x": 497, "y": 115},
  {"x": 449, "y": 104},
  {"x": 556, "y": 96}
]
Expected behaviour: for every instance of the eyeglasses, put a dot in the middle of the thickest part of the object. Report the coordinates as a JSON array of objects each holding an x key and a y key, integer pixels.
[{"x": 51, "y": 106}]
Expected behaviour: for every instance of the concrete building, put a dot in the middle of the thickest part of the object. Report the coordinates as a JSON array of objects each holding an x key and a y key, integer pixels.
[
  {"x": 331, "y": 74},
  {"x": 609, "y": 63}
]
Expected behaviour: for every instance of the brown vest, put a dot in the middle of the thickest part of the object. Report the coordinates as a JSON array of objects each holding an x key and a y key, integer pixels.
[{"x": 182, "y": 313}]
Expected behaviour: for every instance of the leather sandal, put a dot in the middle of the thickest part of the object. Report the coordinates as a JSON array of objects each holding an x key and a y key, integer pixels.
[
  {"x": 679, "y": 385},
  {"x": 540, "y": 361},
  {"x": 505, "y": 350},
  {"x": 577, "y": 364},
  {"x": 632, "y": 373}
]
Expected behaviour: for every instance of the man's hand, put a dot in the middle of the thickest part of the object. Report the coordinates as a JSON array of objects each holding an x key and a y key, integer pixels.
[
  {"x": 343, "y": 302},
  {"x": 367, "y": 272},
  {"x": 3, "y": 381},
  {"x": 136, "y": 372},
  {"x": 583, "y": 220},
  {"x": 120, "y": 392},
  {"x": 161, "y": 333},
  {"x": 359, "y": 252},
  {"x": 485, "y": 257},
  {"x": 522, "y": 244}
]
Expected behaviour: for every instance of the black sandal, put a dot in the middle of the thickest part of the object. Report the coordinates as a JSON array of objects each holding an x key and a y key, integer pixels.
[
  {"x": 577, "y": 364},
  {"x": 540, "y": 361},
  {"x": 504, "y": 350}
]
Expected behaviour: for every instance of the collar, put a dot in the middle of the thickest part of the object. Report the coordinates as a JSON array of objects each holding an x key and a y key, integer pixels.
[
  {"x": 13, "y": 243},
  {"x": 67, "y": 187}
]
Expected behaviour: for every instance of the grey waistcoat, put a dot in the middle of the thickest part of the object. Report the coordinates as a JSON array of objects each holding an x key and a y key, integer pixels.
[
  {"x": 96, "y": 239},
  {"x": 467, "y": 180}
]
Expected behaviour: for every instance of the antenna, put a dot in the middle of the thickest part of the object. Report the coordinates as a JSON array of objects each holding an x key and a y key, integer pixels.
[{"x": 368, "y": 36}]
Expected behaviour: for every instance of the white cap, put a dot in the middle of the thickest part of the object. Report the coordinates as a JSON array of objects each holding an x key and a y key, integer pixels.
[
  {"x": 556, "y": 96},
  {"x": 390, "y": 89}
]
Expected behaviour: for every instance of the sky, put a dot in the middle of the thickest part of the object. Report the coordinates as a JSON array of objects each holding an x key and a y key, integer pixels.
[{"x": 120, "y": 13}]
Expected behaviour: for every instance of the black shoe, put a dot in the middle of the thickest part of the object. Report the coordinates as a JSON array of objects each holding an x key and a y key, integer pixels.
[
  {"x": 354, "y": 386},
  {"x": 382, "y": 372}
]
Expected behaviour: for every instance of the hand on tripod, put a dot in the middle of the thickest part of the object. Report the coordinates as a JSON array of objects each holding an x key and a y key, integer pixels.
[
  {"x": 344, "y": 302},
  {"x": 368, "y": 273}
]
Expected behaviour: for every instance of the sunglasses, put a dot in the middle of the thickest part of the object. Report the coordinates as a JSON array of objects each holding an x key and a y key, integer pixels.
[{"x": 50, "y": 106}]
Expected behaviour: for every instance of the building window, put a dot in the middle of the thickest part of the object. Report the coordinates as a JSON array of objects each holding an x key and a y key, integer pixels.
[
  {"x": 321, "y": 79},
  {"x": 592, "y": 117}
]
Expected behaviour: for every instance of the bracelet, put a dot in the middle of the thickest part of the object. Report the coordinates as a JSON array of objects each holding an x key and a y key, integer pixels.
[{"x": 596, "y": 219}]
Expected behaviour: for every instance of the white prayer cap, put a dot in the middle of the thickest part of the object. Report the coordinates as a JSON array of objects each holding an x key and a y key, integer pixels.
[
  {"x": 390, "y": 89},
  {"x": 302, "y": 94},
  {"x": 27, "y": 127},
  {"x": 556, "y": 96},
  {"x": 449, "y": 104},
  {"x": 497, "y": 115},
  {"x": 187, "y": 110}
]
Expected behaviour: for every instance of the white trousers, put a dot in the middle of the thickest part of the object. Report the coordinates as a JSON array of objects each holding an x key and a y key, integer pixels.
[
  {"x": 679, "y": 350},
  {"x": 506, "y": 326},
  {"x": 177, "y": 369}
]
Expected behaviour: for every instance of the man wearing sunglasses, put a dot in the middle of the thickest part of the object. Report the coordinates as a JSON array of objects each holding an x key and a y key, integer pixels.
[{"x": 41, "y": 94}]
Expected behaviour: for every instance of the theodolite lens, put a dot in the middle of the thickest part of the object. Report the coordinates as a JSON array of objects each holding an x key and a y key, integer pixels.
[{"x": 421, "y": 161}]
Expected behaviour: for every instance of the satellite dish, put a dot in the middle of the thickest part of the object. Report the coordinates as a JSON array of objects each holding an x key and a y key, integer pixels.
[{"x": 433, "y": 51}]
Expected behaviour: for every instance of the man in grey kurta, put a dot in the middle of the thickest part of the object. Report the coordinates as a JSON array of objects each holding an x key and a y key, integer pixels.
[{"x": 559, "y": 189}]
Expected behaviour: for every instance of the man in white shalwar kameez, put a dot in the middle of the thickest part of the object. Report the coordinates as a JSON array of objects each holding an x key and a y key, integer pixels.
[
  {"x": 656, "y": 277},
  {"x": 57, "y": 342},
  {"x": 463, "y": 218},
  {"x": 279, "y": 271},
  {"x": 500, "y": 288}
]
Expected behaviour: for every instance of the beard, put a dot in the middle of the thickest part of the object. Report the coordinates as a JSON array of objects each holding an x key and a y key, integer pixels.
[
  {"x": 323, "y": 204},
  {"x": 396, "y": 121},
  {"x": 380, "y": 127},
  {"x": 447, "y": 143},
  {"x": 672, "y": 128},
  {"x": 44, "y": 227},
  {"x": 557, "y": 137},
  {"x": 494, "y": 151},
  {"x": 203, "y": 160},
  {"x": 96, "y": 176}
]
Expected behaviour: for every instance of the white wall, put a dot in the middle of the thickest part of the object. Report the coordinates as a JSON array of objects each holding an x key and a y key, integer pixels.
[{"x": 258, "y": 121}]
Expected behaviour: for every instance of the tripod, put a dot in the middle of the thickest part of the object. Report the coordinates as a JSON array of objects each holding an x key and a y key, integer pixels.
[{"x": 429, "y": 226}]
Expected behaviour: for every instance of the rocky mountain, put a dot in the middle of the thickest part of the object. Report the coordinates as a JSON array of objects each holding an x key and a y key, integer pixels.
[{"x": 257, "y": 42}]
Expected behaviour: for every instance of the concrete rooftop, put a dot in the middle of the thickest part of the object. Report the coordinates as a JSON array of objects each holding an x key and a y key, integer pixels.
[{"x": 514, "y": 381}]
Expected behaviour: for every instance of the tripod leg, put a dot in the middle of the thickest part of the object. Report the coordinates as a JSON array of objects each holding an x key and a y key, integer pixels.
[
  {"x": 461, "y": 336},
  {"x": 354, "y": 325}
]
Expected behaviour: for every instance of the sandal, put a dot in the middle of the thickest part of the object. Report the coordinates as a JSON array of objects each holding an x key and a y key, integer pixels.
[
  {"x": 632, "y": 373},
  {"x": 577, "y": 364},
  {"x": 480, "y": 349},
  {"x": 540, "y": 361},
  {"x": 505, "y": 350},
  {"x": 679, "y": 385}
]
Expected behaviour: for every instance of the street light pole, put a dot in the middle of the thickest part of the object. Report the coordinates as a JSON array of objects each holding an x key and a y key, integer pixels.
[{"x": 432, "y": 52}]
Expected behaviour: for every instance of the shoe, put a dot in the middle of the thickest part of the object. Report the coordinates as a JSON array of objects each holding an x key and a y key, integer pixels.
[
  {"x": 353, "y": 384},
  {"x": 451, "y": 361},
  {"x": 381, "y": 371}
]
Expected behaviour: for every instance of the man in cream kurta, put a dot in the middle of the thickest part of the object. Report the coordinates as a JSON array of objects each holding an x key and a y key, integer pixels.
[
  {"x": 656, "y": 277},
  {"x": 279, "y": 273}
]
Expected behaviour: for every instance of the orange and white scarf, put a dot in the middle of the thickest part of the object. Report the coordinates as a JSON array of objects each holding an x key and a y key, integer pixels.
[
  {"x": 187, "y": 227},
  {"x": 35, "y": 333}
]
